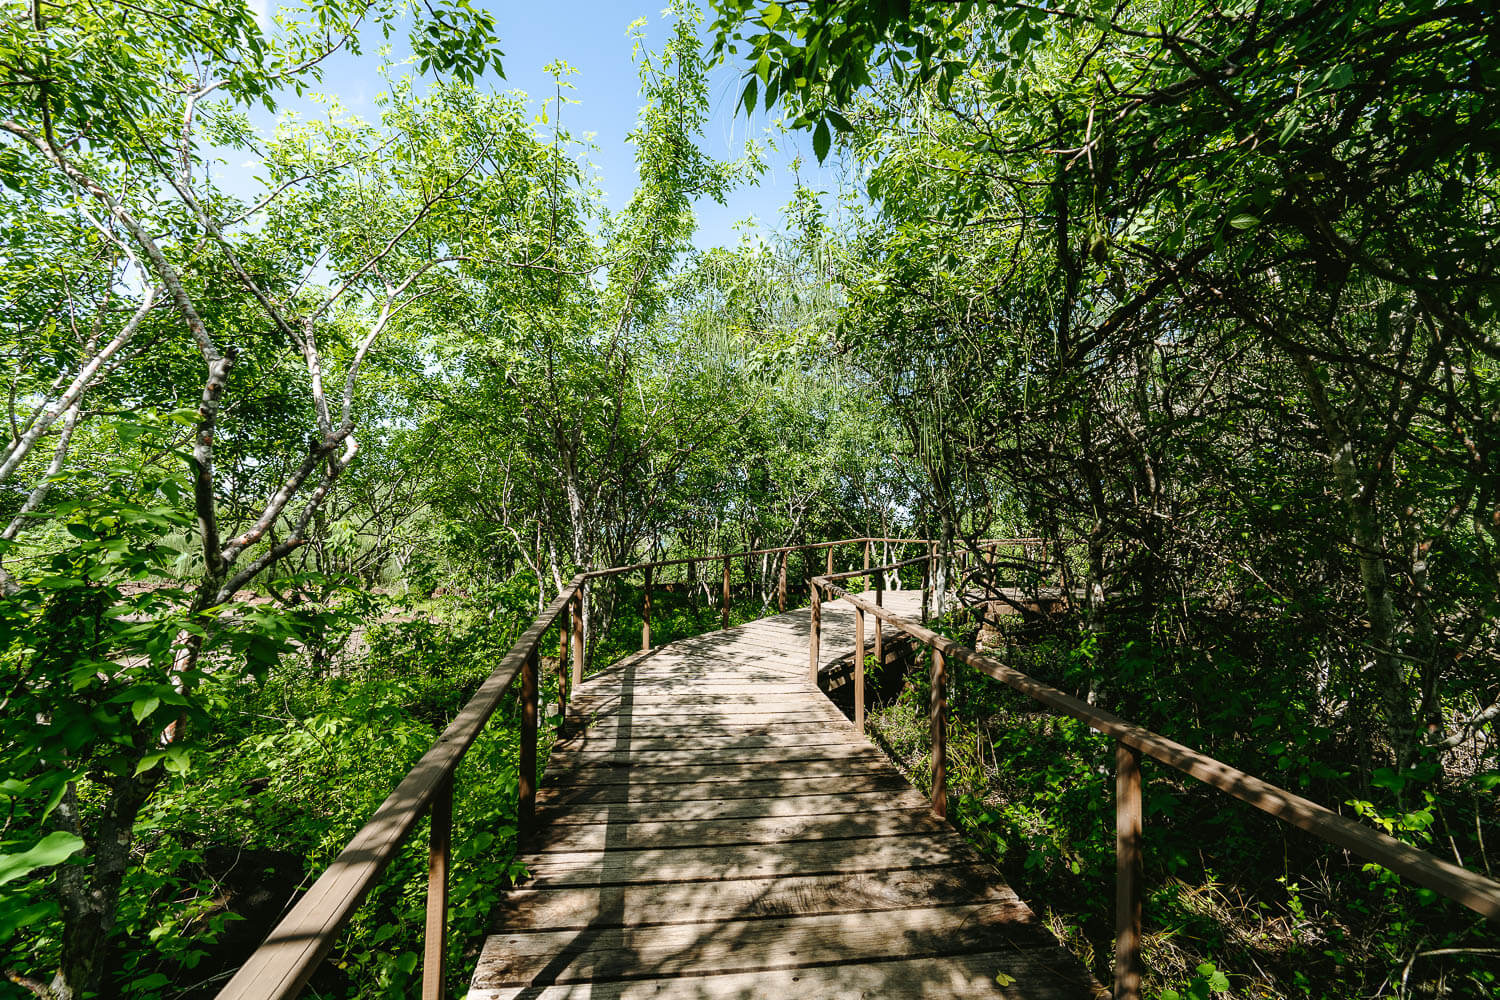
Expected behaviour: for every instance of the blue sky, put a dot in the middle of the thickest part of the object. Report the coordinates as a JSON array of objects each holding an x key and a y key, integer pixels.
[{"x": 591, "y": 36}]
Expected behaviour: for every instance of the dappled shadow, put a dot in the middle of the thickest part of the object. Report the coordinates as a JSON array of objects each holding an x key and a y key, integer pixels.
[{"x": 702, "y": 843}]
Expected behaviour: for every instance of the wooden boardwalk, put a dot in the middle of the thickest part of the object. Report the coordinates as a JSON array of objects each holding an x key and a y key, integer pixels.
[{"x": 719, "y": 830}]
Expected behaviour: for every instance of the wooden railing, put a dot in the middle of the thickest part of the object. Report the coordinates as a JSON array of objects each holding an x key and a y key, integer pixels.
[
  {"x": 281, "y": 967},
  {"x": 1478, "y": 893}
]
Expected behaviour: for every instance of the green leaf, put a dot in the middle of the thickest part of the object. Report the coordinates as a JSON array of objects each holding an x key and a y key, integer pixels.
[
  {"x": 50, "y": 850},
  {"x": 822, "y": 139},
  {"x": 176, "y": 761},
  {"x": 772, "y": 14},
  {"x": 149, "y": 761},
  {"x": 13, "y": 918},
  {"x": 1244, "y": 221},
  {"x": 143, "y": 707}
]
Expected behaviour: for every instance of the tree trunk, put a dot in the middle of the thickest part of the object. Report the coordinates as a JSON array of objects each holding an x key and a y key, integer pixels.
[{"x": 89, "y": 895}]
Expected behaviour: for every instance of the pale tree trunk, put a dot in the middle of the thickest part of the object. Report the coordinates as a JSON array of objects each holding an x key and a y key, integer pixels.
[
  {"x": 1357, "y": 493},
  {"x": 942, "y": 566}
]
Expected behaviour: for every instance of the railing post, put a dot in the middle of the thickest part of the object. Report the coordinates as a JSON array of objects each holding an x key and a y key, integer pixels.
[
  {"x": 578, "y": 600},
  {"x": 646, "y": 613},
  {"x": 867, "y": 564},
  {"x": 781, "y": 585},
  {"x": 726, "y": 593},
  {"x": 526, "y": 795},
  {"x": 814, "y": 635},
  {"x": 859, "y": 668},
  {"x": 937, "y": 716},
  {"x": 828, "y": 565},
  {"x": 562, "y": 666},
  {"x": 435, "y": 933},
  {"x": 1128, "y": 820},
  {"x": 926, "y": 583}
]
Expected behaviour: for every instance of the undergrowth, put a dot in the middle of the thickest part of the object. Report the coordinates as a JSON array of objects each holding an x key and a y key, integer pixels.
[
  {"x": 1236, "y": 904},
  {"x": 299, "y": 764}
]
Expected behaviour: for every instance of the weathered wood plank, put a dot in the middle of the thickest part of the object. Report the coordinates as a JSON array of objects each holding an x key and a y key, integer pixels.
[
  {"x": 714, "y": 684},
  {"x": 1031, "y": 976},
  {"x": 740, "y": 899},
  {"x": 564, "y": 956},
  {"x": 688, "y": 810},
  {"x": 627, "y": 732},
  {"x": 717, "y": 790},
  {"x": 680, "y": 774},
  {"x": 718, "y": 832},
  {"x": 751, "y": 716},
  {"x": 812, "y": 857},
  {"x": 590, "y": 742},
  {"x": 668, "y": 755},
  {"x": 641, "y": 703}
]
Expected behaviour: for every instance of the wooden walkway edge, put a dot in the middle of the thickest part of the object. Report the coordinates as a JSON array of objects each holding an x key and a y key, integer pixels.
[{"x": 719, "y": 830}]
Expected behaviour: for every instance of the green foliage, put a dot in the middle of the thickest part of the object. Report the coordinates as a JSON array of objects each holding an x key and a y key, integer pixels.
[
  {"x": 1205, "y": 985},
  {"x": 1203, "y": 298}
]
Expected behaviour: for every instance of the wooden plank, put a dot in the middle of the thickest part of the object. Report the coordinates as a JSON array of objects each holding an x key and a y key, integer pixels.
[
  {"x": 1031, "y": 976},
  {"x": 687, "y": 810},
  {"x": 772, "y": 701},
  {"x": 785, "y": 685},
  {"x": 721, "y": 646},
  {"x": 715, "y": 684},
  {"x": 631, "y": 773},
  {"x": 769, "y": 647},
  {"x": 567, "y": 758},
  {"x": 739, "y": 899},
  {"x": 717, "y": 832},
  {"x": 563, "y": 956},
  {"x": 771, "y": 657},
  {"x": 686, "y": 679},
  {"x": 738, "y": 705},
  {"x": 717, "y": 719},
  {"x": 758, "y": 679},
  {"x": 593, "y": 742},
  {"x": 652, "y": 723},
  {"x": 812, "y": 857},
  {"x": 713, "y": 790},
  {"x": 767, "y": 635},
  {"x": 665, "y": 728}
]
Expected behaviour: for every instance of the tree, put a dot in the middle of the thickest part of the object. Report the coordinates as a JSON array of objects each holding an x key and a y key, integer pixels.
[
  {"x": 177, "y": 303},
  {"x": 1217, "y": 285}
]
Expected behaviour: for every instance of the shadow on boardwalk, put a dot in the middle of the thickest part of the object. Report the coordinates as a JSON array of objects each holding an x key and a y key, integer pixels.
[{"x": 719, "y": 830}]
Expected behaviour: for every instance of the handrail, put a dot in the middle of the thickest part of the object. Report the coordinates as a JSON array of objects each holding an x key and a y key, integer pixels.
[
  {"x": 1475, "y": 891},
  {"x": 284, "y": 963},
  {"x": 281, "y": 967}
]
